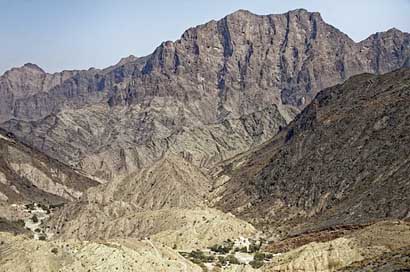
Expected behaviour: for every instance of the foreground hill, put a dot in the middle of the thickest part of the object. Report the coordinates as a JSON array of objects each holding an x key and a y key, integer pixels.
[
  {"x": 20, "y": 254},
  {"x": 27, "y": 175},
  {"x": 167, "y": 201},
  {"x": 222, "y": 88},
  {"x": 383, "y": 246},
  {"x": 343, "y": 160}
]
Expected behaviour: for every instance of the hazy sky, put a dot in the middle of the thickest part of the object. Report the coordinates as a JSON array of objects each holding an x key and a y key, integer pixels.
[{"x": 78, "y": 34}]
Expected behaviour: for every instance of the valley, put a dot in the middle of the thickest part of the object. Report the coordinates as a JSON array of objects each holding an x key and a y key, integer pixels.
[{"x": 252, "y": 143}]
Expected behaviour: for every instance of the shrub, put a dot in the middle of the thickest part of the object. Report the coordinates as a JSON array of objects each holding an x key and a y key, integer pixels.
[
  {"x": 29, "y": 206},
  {"x": 20, "y": 223},
  {"x": 54, "y": 250},
  {"x": 259, "y": 256},
  {"x": 225, "y": 248},
  {"x": 254, "y": 247},
  {"x": 42, "y": 238},
  {"x": 199, "y": 257},
  {"x": 232, "y": 259},
  {"x": 34, "y": 218},
  {"x": 244, "y": 249},
  {"x": 54, "y": 206},
  {"x": 256, "y": 264}
]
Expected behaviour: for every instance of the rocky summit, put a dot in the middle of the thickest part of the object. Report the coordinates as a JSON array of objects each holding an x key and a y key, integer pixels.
[
  {"x": 224, "y": 87},
  {"x": 252, "y": 143}
]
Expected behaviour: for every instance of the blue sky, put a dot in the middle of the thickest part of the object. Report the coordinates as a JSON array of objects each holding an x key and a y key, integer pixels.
[{"x": 78, "y": 34}]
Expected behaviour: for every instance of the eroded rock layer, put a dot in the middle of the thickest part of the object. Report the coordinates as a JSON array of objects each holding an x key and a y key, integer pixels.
[
  {"x": 224, "y": 87},
  {"x": 343, "y": 160}
]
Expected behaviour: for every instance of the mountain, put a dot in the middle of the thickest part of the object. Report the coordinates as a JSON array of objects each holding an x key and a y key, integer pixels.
[
  {"x": 21, "y": 254},
  {"x": 170, "y": 182},
  {"x": 167, "y": 202},
  {"x": 230, "y": 149},
  {"x": 379, "y": 247},
  {"x": 343, "y": 160},
  {"x": 224, "y": 87},
  {"x": 27, "y": 175}
]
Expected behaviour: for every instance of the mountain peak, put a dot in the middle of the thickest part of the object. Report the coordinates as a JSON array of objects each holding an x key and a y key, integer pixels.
[
  {"x": 241, "y": 12},
  {"x": 393, "y": 29},
  {"x": 32, "y": 66},
  {"x": 244, "y": 12},
  {"x": 302, "y": 11},
  {"x": 128, "y": 59},
  {"x": 28, "y": 67},
  {"x": 299, "y": 10}
]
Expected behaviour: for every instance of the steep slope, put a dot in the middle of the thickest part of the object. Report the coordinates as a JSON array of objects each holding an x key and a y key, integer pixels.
[
  {"x": 27, "y": 175},
  {"x": 223, "y": 87},
  {"x": 345, "y": 159},
  {"x": 169, "y": 182},
  {"x": 362, "y": 250},
  {"x": 22, "y": 254},
  {"x": 167, "y": 202},
  {"x": 397, "y": 260},
  {"x": 20, "y": 83}
]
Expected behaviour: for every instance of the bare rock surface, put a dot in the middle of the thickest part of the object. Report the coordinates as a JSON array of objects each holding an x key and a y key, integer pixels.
[
  {"x": 380, "y": 241},
  {"x": 21, "y": 254},
  {"x": 222, "y": 88},
  {"x": 27, "y": 175},
  {"x": 167, "y": 202},
  {"x": 343, "y": 160}
]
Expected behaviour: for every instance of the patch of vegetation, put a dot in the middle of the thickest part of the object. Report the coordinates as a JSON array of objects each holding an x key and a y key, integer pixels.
[
  {"x": 256, "y": 264},
  {"x": 20, "y": 223},
  {"x": 34, "y": 218},
  {"x": 225, "y": 248},
  {"x": 54, "y": 250},
  {"x": 260, "y": 256},
  {"x": 43, "y": 206},
  {"x": 42, "y": 237},
  {"x": 29, "y": 206},
  {"x": 254, "y": 246},
  {"x": 54, "y": 206},
  {"x": 230, "y": 259},
  {"x": 198, "y": 257},
  {"x": 242, "y": 249}
]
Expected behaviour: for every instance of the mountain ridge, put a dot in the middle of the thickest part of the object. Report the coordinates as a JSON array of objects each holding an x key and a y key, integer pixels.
[
  {"x": 341, "y": 161},
  {"x": 216, "y": 73},
  {"x": 132, "y": 58}
]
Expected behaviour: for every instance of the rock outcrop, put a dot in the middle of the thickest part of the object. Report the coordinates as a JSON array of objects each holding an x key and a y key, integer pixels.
[
  {"x": 224, "y": 87},
  {"x": 27, "y": 175},
  {"x": 167, "y": 202},
  {"x": 343, "y": 160},
  {"x": 360, "y": 251},
  {"x": 20, "y": 254}
]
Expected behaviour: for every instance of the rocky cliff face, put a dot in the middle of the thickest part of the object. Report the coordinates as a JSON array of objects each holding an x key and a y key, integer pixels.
[
  {"x": 343, "y": 160},
  {"x": 19, "y": 84},
  {"x": 27, "y": 175},
  {"x": 223, "y": 87}
]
